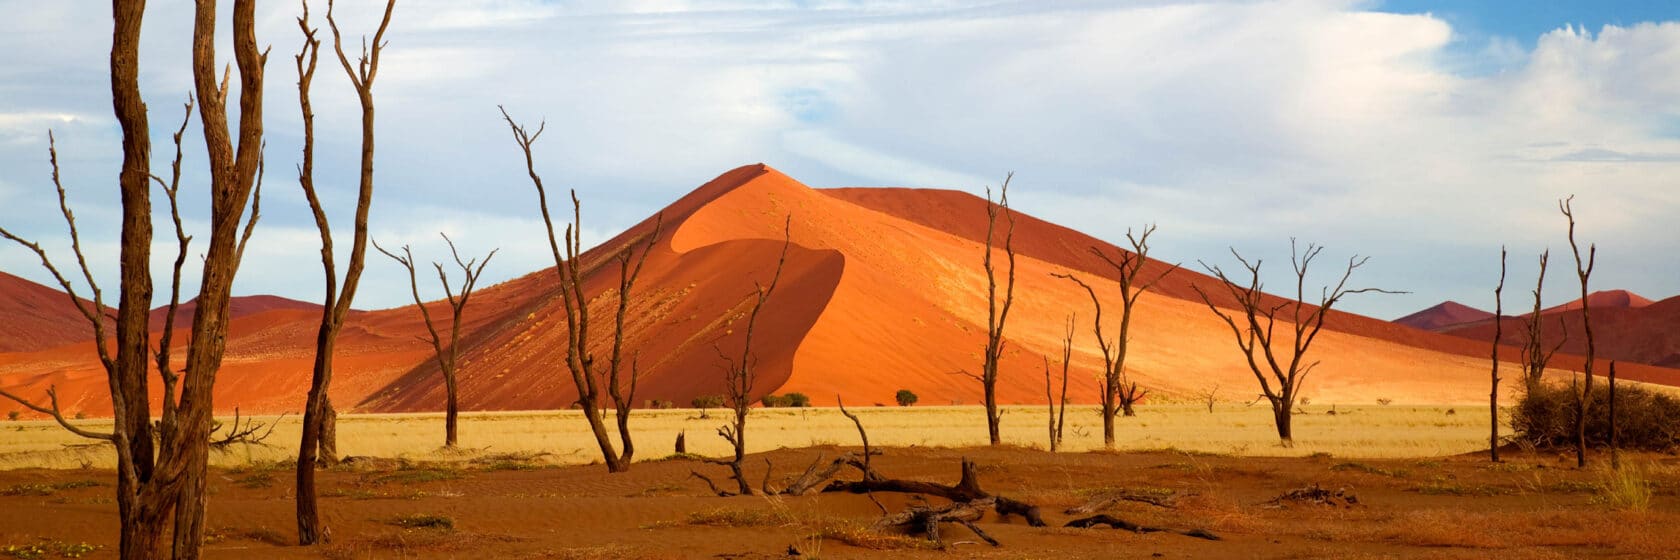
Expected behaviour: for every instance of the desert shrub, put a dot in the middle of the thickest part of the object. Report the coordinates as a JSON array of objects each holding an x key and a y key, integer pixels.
[
  {"x": 423, "y": 521},
  {"x": 1545, "y": 417},
  {"x": 1385, "y": 401},
  {"x": 706, "y": 401},
  {"x": 12, "y": 415},
  {"x": 790, "y": 400},
  {"x": 905, "y": 397}
]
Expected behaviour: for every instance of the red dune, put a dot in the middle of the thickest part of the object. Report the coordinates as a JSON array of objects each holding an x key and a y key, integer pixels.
[
  {"x": 882, "y": 290},
  {"x": 1443, "y": 315},
  {"x": 1605, "y": 299},
  {"x": 239, "y": 306},
  {"x": 37, "y": 317},
  {"x": 1643, "y": 334}
]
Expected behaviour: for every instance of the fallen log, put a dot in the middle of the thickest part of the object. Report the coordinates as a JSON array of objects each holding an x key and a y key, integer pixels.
[
  {"x": 1108, "y": 500},
  {"x": 967, "y": 489},
  {"x": 1117, "y": 523},
  {"x": 927, "y": 519}
]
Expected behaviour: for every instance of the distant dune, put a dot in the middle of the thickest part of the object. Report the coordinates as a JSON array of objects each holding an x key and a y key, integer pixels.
[
  {"x": 1442, "y": 315},
  {"x": 882, "y": 290},
  {"x": 34, "y": 317}
]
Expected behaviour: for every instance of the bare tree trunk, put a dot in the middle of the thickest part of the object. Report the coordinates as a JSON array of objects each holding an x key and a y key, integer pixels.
[
  {"x": 319, "y": 433},
  {"x": 996, "y": 315},
  {"x": 1583, "y": 269},
  {"x": 157, "y": 480},
  {"x": 1493, "y": 387},
  {"x": 1615, "y": 452}
]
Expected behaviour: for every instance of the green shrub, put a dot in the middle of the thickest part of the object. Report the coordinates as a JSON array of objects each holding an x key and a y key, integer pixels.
[
  {"x": 905, "y": 397},
  {"x": 706, "y": 401}
]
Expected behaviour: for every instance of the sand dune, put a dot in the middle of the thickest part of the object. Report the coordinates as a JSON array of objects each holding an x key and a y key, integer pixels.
[
  {"x": 1443, "y": 315},
  {"x": 882, "y": 290}
]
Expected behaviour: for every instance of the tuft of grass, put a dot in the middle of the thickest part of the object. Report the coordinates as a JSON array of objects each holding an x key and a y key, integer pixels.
[
  {"x": 46, "y": 489},
  {"x": 422, "y": 521},
  {"x": 256, "y": 480},
  {"x": 856, "y": 534},
  {"x": 419, "y": 475},
  {"x": 736, "y": 517},
  {"x": 49, "y": 548},
  {"x": 259, "y": 534},
  {"x": 1440, "y": 487},
  {"x": 1371, "y": 469},
  {"x": 657, "y": 489},
  {"x": 1625, "y": 489}
]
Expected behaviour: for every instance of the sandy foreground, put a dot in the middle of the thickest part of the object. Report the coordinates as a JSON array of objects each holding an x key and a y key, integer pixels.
[{"x": 509, "y": 505}]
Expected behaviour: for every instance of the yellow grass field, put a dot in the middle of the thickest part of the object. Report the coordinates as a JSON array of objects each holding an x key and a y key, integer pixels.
[{"x": 1368, "y": 431}]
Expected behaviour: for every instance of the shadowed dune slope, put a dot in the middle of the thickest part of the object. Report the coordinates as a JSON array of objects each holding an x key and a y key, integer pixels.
[
  {"x": 34, "y": 317},
  {"x": 882, "y": 290},
  {"x": 1647, "y": 334}
]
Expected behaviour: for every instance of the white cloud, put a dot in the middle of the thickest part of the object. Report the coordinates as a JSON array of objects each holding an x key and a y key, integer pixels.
[{"x": 1228, "y": 123}]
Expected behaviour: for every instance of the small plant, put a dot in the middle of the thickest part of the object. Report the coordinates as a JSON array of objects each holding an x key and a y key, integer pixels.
[
  {"x": 1625, "y": 489},
  {"x": 81, "y": 415},
  {"x": 262, "y": 479},
  {"x": 12, "y": 415},
  {"x": 905, "y": 397},
  {"x": 45, "y": 489},
  {"x": 729, "y": 517},
  {"x": 423, "y": 521},
  {"x": 1385, "y": 401},
  {"x": 49, "y": 548}
]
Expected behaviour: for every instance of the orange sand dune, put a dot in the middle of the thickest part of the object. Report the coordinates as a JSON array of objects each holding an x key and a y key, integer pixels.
[{"x": 882, "y": 290}]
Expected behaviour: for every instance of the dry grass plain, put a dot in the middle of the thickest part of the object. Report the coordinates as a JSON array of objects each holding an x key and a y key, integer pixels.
[
  {"x": 1367, "y": 431},
  {"x": 1420, "y": 495}
]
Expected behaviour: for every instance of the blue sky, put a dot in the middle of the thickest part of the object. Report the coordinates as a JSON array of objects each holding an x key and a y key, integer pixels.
[{"x": 1421, "y": 134}]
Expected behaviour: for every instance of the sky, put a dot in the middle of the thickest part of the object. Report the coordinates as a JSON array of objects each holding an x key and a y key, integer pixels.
[{"x": 1423, "y": 134}]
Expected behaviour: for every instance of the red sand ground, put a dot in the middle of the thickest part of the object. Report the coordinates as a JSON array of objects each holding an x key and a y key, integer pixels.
[
  {"x": 1530, "y": 507},
  {"x": 882, "y": 290}
]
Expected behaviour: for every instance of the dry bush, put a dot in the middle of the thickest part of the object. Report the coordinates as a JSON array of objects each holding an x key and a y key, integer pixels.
[
  {"x": 860, "y": 535},
  {"x": 1646, "y": 420},
  {"x": 423, "y": 521},
  {"x": 737, "y": 517}
]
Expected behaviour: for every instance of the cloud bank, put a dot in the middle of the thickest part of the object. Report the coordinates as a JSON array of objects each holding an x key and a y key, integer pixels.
[{"x": 1230, "y": 124}]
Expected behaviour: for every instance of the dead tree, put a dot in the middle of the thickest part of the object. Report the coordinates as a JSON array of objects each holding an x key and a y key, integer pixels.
[
  {"x": 1583, "y": 270},
  {"x": 457, "y": 304},
  {"x": 996, "y": 314},
  {"x": 1128, "y": 269},
  {"x": 1493, "y": 387},
  {"x": 162, "y": 471},
  {"x": 319, "y": 439},
  {"x": 740, "y": 375},
  {"x": 1615, "y": 452},
  {"x": 1058, "y": 421},
  {"x": 1535, "y": 355},
  {"x": 1255, "y": 324},
  {"x": 580, "y": 361},
  {"x": 1210, "y": 397}
]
